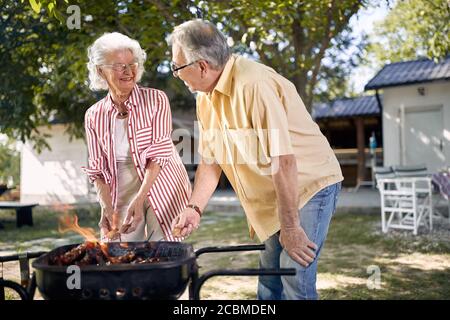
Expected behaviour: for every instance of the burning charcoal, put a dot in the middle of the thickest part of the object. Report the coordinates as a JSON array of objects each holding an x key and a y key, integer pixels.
[
  {"x": 154, "y": 259},
  {"x": 138, "y": 260},
  {"x": 84, "y": 254},
  {"x": 97, "y": 254},
  {"x": 94, "y": 255},
  {"x": 91, "y": 256},
  {"x": 151, "y": 260},
  {"x": 100, "y": 258},
  {"x": 86, "y": 260},
  {"x": 126, "y": 258}
]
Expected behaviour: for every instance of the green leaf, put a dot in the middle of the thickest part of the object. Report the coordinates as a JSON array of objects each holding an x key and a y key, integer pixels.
[
  {"x": 58, "y": 15},
  {"x": 36, "y": 6}
]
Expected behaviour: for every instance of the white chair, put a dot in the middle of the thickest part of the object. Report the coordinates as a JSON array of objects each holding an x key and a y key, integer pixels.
[
  {"x": 406, "y": 198},
  {"x": 441, "y": 180}
]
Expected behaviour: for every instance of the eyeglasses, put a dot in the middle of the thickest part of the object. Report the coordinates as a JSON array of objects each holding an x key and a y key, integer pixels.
[
  {"x": 175, "y": 68},
  {"x": 121, "y": 67}
]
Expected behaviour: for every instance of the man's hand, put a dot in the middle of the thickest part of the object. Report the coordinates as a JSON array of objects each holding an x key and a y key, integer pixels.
[
  {"x": 295, "y": 241},
  {"x": 185, "y": 223},
  {"x": 135, "y": 215}
]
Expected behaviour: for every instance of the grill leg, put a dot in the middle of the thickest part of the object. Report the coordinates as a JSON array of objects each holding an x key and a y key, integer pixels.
[
  {"x": 192, "y": 284},
  {"x": 198, "y": 283},
  {"x": 2, "y": 291},
  {"x": 31, "y": 288}
]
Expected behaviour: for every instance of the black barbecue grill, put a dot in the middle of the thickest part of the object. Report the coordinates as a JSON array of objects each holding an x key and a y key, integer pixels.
[{"x": 174, "y": 268}]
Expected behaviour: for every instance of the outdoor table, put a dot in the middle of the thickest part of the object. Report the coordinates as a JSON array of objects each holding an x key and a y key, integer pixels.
[{"x": 23, "y": 211}]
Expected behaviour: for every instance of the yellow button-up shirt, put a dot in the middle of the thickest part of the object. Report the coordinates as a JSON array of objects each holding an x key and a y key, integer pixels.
[{"x": 252, "y": 115}]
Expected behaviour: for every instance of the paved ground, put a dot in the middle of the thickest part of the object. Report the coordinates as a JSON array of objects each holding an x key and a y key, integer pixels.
[{"x": 365, "y": 200}]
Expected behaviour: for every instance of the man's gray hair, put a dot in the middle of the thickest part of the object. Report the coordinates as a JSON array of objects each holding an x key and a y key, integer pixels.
[
  {"x": 199, "y": 39},
  {"x": 106, "y": 44}
]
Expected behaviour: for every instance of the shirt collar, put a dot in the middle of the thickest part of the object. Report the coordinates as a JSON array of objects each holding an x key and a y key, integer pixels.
[
  {"x": 129, "y": 103},
  {"x": 224, "y": 83}
]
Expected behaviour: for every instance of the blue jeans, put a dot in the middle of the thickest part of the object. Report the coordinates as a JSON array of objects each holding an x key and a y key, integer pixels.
[{"x": 315, "y": 218}]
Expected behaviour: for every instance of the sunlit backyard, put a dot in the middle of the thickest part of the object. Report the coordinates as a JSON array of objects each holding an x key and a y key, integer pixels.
[{"x": 410, "y": 267}]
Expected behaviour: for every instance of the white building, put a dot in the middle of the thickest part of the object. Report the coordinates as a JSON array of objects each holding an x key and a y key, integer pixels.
[
  {"x": 55, "y": 176},
  {"x": 415, "y": 112}
]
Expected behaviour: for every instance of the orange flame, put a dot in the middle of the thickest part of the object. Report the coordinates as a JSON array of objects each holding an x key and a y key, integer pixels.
[{"x": 70, "y": 223}]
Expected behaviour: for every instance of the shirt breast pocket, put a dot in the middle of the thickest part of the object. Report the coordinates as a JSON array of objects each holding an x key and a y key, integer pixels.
[
  {"x": 245, "y": 147},
  {"x": 144, "y": 138}
]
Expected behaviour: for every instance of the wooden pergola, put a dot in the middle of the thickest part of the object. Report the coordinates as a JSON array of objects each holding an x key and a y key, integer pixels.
[{"x": 348, "y": 124}]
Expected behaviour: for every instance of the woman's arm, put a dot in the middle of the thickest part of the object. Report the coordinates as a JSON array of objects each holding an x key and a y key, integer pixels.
[
  {"x": 156, "y": 157},
  {"x": 98, "y": 174},
  {"x": 135, "y": 212},
  {"x": 104, "y": 198},
  {"x": 151, "y": 173}
]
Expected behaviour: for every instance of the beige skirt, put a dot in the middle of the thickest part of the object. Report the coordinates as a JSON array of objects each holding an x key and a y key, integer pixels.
[{"x": 128, "y": 186}]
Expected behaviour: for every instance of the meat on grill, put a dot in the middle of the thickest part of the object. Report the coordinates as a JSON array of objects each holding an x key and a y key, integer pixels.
[
  {"x": 71, "y": 256},
  {"x": 92, "y": 253}
]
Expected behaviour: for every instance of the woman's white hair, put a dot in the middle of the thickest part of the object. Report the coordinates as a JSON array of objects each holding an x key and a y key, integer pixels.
[{"x": 106, "y": 44}]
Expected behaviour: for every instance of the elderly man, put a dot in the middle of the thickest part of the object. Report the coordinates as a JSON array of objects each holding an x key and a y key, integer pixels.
[{"x": 255, "y": 127}]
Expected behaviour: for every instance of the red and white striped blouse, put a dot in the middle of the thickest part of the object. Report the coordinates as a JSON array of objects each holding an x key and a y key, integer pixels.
[{"x": 149, "y": 135}]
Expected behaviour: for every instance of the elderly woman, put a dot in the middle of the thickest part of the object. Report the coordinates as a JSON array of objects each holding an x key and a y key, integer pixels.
[{"x": 141, "y": 183}]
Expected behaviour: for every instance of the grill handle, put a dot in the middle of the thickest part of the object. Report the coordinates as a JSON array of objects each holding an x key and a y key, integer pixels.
[
  {"x": 245, "y": 247},
  {"x": 238, "y": 272},
  {"x": 16, "y": 257}
]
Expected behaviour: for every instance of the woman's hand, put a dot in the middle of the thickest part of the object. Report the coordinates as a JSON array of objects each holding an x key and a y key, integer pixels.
[
  {"x": 106, "y": 221},
  {"x": 135, "y": 215},
  {"x": 109, "y": 224},
  {"x": 185, "y": 223}
]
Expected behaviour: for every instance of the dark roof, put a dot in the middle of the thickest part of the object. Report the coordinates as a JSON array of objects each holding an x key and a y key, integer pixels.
[
  {"x": 349, "y": 107},
  {"x": 410, "y": 72}
]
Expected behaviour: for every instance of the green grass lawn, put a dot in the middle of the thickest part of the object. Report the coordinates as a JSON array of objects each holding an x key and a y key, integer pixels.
[
  {"x": 411, "y": 267},
  {"x": 45, "y": 226}
]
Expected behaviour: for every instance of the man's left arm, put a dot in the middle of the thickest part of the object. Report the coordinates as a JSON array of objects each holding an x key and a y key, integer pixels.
[
  {"x": 270, "y": 120},
  {"x": 292, "y": 236}
]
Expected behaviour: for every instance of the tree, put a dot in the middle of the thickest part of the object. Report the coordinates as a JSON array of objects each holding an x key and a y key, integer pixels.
[
  {"x": 44, "y": 62},
  {"x": 412, "y": 29},
  {"x": 301, "y": 39},
  {"x": 9, "y": 163}
]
